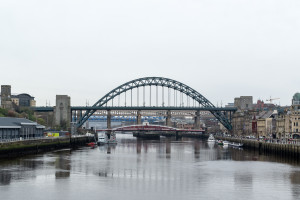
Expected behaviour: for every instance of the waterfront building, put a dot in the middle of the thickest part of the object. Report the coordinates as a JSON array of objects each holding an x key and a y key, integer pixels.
[
  {"x": 281, "y": 125},
  {"x": 266, "y": 123},
  {"x": 19, "y": 128},
  {"x": 288, "y": 121},
  {"x": 294, "y": 117},
  {"x": 254, "y": 126},
  {"x": 242, "y": 122}
]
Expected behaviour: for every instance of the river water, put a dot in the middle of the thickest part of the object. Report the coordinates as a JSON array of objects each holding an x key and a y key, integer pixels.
[{"x": 136, "y": 169}]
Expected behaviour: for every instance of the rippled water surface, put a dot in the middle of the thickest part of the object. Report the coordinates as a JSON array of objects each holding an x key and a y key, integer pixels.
[{"x": 150, "y": 169}]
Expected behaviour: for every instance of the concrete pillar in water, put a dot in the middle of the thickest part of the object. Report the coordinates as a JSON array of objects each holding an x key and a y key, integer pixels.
[
  {"x": 197, "y": 124},
  {"x": 177, "y": 135},
  {"x": 139, "y": 117},
  {"x": 108, "y": 119},
  {"x": 168, "y": 119}
]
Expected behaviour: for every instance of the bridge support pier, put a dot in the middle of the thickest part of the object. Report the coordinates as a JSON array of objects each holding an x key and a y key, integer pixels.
[
  {"x": 177, "y": 135},
  {"x": 168, "y": 119},
  {"x": 139, "y": 117},
  {"x": 197, "y": 120},
  {"x": 108, "y": 119}
]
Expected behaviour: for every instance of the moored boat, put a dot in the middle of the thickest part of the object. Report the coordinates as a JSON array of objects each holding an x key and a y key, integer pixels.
[
  {"x": 219, "y": 142},
  {"x": 225, "y": 143},
  {"x": 236, "y": 144},
  {"x": 103, "y": 139},
  {"x": 92, "y": 144},
  {"x": 211, "y": 138}
]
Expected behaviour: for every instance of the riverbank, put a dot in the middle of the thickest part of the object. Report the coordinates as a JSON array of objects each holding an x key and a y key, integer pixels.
[
  {"x": 292, "y": 150},
  {"x": 20, "y": 148}
]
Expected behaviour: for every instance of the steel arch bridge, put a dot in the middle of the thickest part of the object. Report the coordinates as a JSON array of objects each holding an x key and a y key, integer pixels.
[{"x": 156, "y": 81}]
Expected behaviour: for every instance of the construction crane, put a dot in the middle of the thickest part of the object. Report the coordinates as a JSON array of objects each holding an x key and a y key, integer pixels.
[{"x": 271, "y": 100}]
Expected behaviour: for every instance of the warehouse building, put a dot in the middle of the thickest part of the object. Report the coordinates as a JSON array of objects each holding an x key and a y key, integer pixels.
[{"x": 19, "y": 129}]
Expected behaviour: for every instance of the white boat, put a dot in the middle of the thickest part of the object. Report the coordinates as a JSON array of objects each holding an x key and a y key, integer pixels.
[
  {"x": 236, "y": 144},
  {"x": 225, "y": 143},
  {"x": 211, "y": 138},
  {"x": 103, "y": 139}
]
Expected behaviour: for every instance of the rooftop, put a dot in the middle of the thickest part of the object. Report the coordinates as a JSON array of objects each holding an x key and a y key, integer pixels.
[{"x": 12, "y": 122}]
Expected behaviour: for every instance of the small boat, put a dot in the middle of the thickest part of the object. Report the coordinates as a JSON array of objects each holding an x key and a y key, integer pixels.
[
  {"x": 103, "y": 139},
  {"x": 236, "y": 144},
  {"x": 225, "y": 143},
  {"x": 211, "y": 138},
  {"x": 220, "y": 142},
  {"x": 92, "y": 144}
]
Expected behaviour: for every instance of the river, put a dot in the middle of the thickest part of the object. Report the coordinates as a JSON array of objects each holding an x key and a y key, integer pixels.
[{"x": 136, "y": 169}]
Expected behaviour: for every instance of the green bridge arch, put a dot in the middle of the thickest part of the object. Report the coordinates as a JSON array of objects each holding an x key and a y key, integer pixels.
[{"x": 157, "y": 81}]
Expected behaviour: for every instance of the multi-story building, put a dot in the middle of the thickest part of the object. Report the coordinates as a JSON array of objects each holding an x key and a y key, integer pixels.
[
  {"x": 266, "y": 123},
  {"x": 23, "y": 100},
  {"x": 9, "y": 101},
  {"x": 294, "y": 116},
  {"x": 244, "y": 102},
  {"x": 242, "y": 118},
  {"x": 287, "y": 121},
  {"x": 280, "y": 126},
  {"x": 267, "y": 120}
]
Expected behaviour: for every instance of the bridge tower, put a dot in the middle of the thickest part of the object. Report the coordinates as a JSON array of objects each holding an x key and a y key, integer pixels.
[
  {"x": 139, "y": 117},
  {"x": 108, "y": 119},
  {"x": 62, "y": 111},
  {"x": 197, "y": 124},
  {"x": 168, "y": 119}
]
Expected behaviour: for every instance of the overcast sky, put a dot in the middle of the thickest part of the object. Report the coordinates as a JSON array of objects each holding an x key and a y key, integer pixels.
[{"x": 85, "y": 48}]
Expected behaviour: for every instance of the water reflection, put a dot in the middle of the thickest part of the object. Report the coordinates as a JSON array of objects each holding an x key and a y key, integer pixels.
[
  {"x": 5, "y": 177},
  {"x": 63, "y": 164},
  {"x": 153, "y": 169},
  {"x": 18, "y": 169}
]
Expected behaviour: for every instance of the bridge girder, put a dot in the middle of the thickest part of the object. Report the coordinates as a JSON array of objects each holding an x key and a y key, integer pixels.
[{"x": 149, "y": 113}]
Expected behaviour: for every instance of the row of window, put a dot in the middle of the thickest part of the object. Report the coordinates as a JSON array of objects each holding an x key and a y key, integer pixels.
[{"x": 29, "y": 132}]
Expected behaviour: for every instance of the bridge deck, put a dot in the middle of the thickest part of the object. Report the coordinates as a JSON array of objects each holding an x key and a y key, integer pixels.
[{"x": 88, "y": 108}]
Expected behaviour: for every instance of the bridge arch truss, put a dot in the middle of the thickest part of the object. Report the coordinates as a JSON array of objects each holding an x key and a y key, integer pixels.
[{"x": 164, "y": 83}]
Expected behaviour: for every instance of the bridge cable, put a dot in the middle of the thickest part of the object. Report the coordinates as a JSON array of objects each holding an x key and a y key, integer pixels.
[
  {"x": 138, "y": 95},
  {"x": 156, "y": 96},
  {"x": 144, "y": 96},
  {"x": 168, "y": 96},
  {"x": 150, "y": 95},
  {"x": 163, "y": 96}
]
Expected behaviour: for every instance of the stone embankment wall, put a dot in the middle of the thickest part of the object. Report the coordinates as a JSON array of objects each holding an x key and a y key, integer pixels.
[
  {"x": 276, "y": 148},
  {"x": 19, "y": 148}
]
